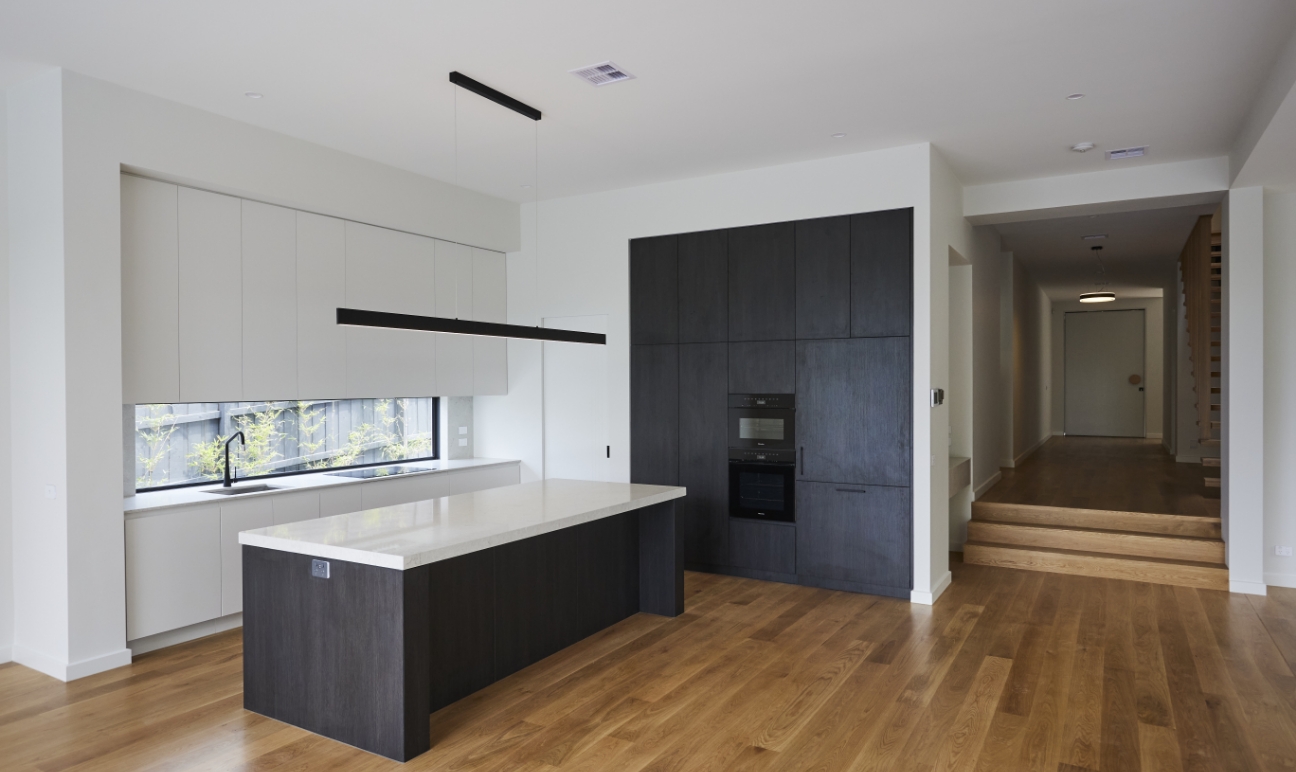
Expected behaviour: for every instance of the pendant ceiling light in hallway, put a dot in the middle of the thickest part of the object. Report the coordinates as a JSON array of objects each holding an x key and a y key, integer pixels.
[{"x": 1101, "y": 295}]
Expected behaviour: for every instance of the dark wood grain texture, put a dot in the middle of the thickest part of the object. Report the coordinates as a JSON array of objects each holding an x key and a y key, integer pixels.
[
  {"x": 345, "y": 657},
  {"x": 762, "y": 282},
  {"x": 607, "y": 572},
  {"x": 461, "y": 602},
  {"x": 854, "y": 411},
  {"x": 882, "y": 274},
  {"x": 654, "y": 290},
  {"x": 704, "y": 287},
  {"x": 763, "y": 546},
  {"x": 703, "y": 466},
  {"x": 855, "y": 533},
  {"x": 823, "y": 285},
  {"x": 767, "y": 367},
  {"x": 654, "y": 414},
  {"x": 661, "y": 564},
  {"x": 537, "y": 598}
]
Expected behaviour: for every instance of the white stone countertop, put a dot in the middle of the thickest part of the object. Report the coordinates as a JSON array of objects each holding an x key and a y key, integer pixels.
[
  {"x": 412, "y": 535},
  {"x": 198, "y": 494}
]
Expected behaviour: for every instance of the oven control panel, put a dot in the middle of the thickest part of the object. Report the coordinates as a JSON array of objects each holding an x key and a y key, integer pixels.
[
  {"x": 783, "y": 401},
  {"x": 763, "y": 456}
]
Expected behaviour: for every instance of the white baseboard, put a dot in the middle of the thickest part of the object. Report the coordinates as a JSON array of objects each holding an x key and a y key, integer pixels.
[
  {"x": 980, "y": 490},
  {"x": 1248, "y": 588},
  {"x": 1006, "y": 463},
  {"x": 1059, "y": 433},
  {"x": 1153, "y": 435},
  {"x": 69, "y": 671},
  {"x": 6, "y": 654},
  {"x": 1025, "y": 454},
  {"x": 185, "y": 634},
  {"x": 928, "y": 598}
]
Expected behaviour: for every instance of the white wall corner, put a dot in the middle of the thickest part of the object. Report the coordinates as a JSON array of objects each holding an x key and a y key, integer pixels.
[
  {"x": 6, "y": 654},
  {"x": 1276, "y": 89},
  {"x": 929, "y": 598},
  {"x": 69, "y": 671},
  {"x": 987, "y": 485},
  {"x": 1247, "y": 588},
  {"x": 1277, "y": 579}
]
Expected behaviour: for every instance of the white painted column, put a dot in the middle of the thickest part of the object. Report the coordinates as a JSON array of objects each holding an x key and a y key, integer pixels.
[{"x": 1242, "y": 389}]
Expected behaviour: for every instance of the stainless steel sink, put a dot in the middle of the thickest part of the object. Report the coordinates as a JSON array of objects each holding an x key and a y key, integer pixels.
[{"x": 239, "y": 489}]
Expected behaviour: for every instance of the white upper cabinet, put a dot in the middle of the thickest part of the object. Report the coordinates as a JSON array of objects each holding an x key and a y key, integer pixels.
[
  {"x": 150, "y": 293},
  {"x": 321, "y": 291},
  {"x": 454, "y": 300},
  {"x": 490, "y": 304},
  {"x": 211, "y": 297},
  {"x": 390, "y": 271},
  {"x": 269, "y": 302}
]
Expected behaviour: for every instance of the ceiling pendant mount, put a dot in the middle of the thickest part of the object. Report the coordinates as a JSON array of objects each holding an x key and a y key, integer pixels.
[{"x": 1101, "y": 295}]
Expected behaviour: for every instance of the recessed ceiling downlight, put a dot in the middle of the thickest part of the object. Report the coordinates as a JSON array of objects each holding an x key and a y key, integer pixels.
[
  {"x": 253, "y": 94},
  {"x": 839, "y": 135},
  {"x": 1094, "y": 236},
  {"x": 1097, "y": 297},
  {"x": 1074, "y": 97},
  {"x": 601, "y": 74},
  {"x": 1083, "y": 147}
]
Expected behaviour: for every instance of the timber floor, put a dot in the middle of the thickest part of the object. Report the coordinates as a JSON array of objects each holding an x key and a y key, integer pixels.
[
  {"x": 1010, "y": 670},
  {"x": 1112, "y": 473}
]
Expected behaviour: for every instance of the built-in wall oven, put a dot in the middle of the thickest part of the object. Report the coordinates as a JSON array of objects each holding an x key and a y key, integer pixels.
[{"x": 762, "y": 456}]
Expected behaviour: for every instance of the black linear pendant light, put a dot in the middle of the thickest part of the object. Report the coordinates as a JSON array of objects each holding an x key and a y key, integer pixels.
[{"x": 356, "y": 317}]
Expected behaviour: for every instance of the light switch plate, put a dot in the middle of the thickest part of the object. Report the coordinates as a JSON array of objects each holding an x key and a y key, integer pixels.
[
  {"x": 463, "y": 443},
  {"x": 320, "y": 569},
  {"x": 463, "y": 429}
]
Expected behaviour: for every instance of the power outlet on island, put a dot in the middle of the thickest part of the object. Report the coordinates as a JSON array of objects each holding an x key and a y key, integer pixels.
[{"x": 1283, "y": 552}]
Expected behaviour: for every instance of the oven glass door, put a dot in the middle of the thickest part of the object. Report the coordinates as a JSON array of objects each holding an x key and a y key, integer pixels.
[
  {"x": 762, "y": 491},
  {"x": 755, "y": 428}
]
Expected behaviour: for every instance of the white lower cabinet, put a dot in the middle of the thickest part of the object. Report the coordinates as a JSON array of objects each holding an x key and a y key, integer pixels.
[
  {"x": 234, "y": 517},
  {"x": 294, "y": 507},
  {"x": 341, "y": 500},
  {"x": 469, "y": 480},
  {"x": 389, "y": 493},
  {"x": 173, "y": 570}
]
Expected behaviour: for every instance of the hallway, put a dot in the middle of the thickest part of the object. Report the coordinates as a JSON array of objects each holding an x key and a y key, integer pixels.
[{"x": 1109, "y": 473}]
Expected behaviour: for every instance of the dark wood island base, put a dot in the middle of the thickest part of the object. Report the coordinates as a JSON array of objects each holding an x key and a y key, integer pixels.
[{"x": 368, "y": 654}]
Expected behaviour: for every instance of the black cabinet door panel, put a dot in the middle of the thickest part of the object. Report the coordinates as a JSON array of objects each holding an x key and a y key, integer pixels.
[
  {"x": 854, "y": 413},
  {"x": 704, "y": 465},
  {"x": 537, "y": 598},
  {"x": 823, "y": 263},
  {"x": 762, "y": 282},
  {"x": 882, "y": 273},
  {"x": 855, "y": 533},
  {"x": 654, "y": 414},
  {"x": 654, "y": 290},
  {"x": 608, "y": 571},
  {"x": 703, "y": 287},
  {"x": 762, "y": 546},
  {"x": 767, "y": 367}
]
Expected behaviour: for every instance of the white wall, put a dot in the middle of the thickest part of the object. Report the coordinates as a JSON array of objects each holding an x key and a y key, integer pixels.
[
  {"x": 992, "y": 397},
  {"x": 1170, "y": 364},
  {"x": 1243, "y": 471},
  {"x": 580, "y": 267},
  {"x": 69, "y": 138},
  {"x": 6, "y": 521},
  {"x": 1032, "y": 364},
  {"x": 1153, "y": 352},
  {"x": 1279, "y": 375}
]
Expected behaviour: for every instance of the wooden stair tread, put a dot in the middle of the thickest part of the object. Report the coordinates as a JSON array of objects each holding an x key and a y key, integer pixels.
[
  {"x": 1099, "y": 541},
  {"x": 1102, "y": 519},
  {"x": 1210, "y": 441},
  {"x": 1210, "y": 461},
  {"x": 1212, "y": 482},
  {"x": 1157, "y": 571}
]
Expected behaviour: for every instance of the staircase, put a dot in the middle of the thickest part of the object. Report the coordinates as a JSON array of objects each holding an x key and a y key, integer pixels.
[
  {"x": 1178, "y": 550},
  {"x": 1201, "y": 268}
]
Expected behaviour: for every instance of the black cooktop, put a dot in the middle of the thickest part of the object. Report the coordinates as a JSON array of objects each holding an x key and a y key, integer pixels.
[{"x": 381, "y": 471}]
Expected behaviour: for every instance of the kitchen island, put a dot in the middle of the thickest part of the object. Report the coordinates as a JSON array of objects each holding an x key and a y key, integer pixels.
[{"x": 358, "y": 626}]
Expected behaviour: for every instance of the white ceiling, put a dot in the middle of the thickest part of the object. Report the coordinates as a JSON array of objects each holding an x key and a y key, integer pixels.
[
  {"x": 1139, "y": 253},
  {"x": 722, "y": 84}
]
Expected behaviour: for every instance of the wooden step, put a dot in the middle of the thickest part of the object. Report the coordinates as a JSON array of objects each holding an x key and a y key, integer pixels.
[
  {"x": 1216, "y": 329},
  {"x": 1104, "y": 519},
  {"x": 1206, "y": 576},
  {"x": 1215, "y": 424},
  {"x": 1212, "y": 482},
  {"x": 1210, "y": 461},
  {"x": 1124, "y": 543},
  {"x": 1210, "y": 442},
  {"x": 1215, "y": 390}
]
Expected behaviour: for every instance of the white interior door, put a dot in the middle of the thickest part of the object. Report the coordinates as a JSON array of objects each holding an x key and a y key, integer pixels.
[
  {"x": 1105, "y": 374},
  {"x": 575, "y": 403}
]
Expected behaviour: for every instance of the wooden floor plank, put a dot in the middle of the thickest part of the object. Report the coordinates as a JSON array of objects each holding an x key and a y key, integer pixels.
[{"x": 1103, "y": 675}]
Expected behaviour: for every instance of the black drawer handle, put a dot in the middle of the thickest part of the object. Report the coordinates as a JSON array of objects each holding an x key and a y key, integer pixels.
[
  {"x": 850, "y": 490},
  {"x": 803, "y": 459}
]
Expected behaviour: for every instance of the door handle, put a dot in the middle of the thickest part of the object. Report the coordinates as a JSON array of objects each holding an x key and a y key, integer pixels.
[
  {"x": 850, "y": 490},
  {"x": 803, "y": 459}
]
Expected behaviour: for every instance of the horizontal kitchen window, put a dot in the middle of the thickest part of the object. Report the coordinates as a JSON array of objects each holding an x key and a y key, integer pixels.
[{"x": 184, "y": 444}]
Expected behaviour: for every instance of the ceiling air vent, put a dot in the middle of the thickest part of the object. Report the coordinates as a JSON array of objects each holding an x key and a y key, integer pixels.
[
  {"x": 601, "y": 74},
  {"x": 1128, "y": 152}
]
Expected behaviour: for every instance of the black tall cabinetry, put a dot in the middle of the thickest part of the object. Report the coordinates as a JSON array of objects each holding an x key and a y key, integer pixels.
[{"x": 821, "y": 308}]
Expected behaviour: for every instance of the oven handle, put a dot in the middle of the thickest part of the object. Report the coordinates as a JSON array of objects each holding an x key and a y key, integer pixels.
[
  {"x": 803, "y": 459},
  {"x": 850, "y": 490}
]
